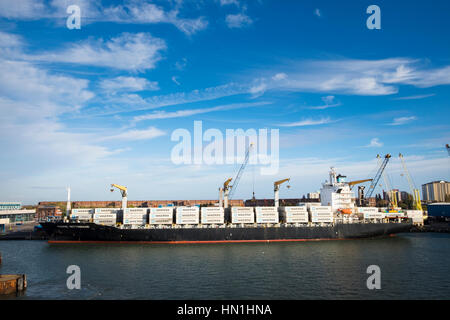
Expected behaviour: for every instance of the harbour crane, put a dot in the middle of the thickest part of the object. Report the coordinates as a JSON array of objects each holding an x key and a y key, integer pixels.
[
  {"x": 224, "y": 190},
  {"x": 123, "y": 191},
  {"x": 239, "y": 174},
  {"x": 392, "y": 194},
  {"x": 378, "y": 175},
  {"x": 276, "y": 189},
  {"x": 412, "y": 186},
  {"x": 353, "y": 183}
]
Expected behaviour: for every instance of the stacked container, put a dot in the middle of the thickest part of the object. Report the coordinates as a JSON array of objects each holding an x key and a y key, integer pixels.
[
  {"x": 187, "y": 215},
  {"x": 106, "y": 216},
  {"x": 298, "y": 214},
  {"x": 416, "y": 216},
  {"x": 371, "y": 213},
  {"x": 266, "y": 215},
  {"x": 161, "y": 216},
  {"x": 321, "y": 214},
  {"x": 212, "y": 215},
  {"x": 135, "y": 216},
  {"x": 242, "y": 215},
  {"x": 81, "y": 214}
]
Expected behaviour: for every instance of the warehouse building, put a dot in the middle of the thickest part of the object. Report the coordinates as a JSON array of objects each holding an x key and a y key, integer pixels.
[
  {"x": 11, "y": 213},
  {"x": 439, "y": 210}
]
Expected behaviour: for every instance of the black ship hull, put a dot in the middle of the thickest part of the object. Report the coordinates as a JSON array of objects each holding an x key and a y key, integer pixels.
[{"x": 90, "y": 232}]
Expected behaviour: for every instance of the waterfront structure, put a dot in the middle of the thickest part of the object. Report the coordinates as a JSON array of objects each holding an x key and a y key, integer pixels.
[
  {"x": 44, "y": 212},
  {"x": 12, "y": 213},
  {"x": 139, "y": 203},
  {"x": 10, "y": 206},
  {"x": 436, "y": 191}
]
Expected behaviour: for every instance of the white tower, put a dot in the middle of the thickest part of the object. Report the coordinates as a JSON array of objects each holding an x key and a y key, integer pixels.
[{"x": 68, "y": 207}]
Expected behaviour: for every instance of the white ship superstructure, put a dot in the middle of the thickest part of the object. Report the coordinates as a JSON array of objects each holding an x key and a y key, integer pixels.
[{"x": 336, "y": 193}]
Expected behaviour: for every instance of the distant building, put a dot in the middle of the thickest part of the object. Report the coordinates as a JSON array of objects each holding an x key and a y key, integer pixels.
[
  {"x": 314, "y": 195},
  {"x": 43, "y": 212},
  {"x": 12, "y": 213},
  {"x": 10, "y": 205},
  {"x": 435, "y": 191},
  {"x": 404, "y": 195}
]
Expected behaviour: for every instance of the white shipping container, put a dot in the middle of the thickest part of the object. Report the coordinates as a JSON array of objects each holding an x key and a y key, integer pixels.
[
  {"x": 161, "y": 221},
  {"x": 266, "y": 215},
  {"x": 135, "y": 211},
  {"x": 105, "y": 216},
  {"x": 107, "y": 210},
  {"x": 105, "y": 222},
  {"x": 212, "y": 215},
  {"x": 371, "y": 213},
  {"x": 321, "y": 214},
  {"x": 134, "y": 221},
  {"x": 242, "y": 215},
  {"x": 82, "y": 210},
  {"x": 415, "y": 215},
  {"x": 298, "y": 214},
  {"x": 187, "y": 215},
  {"x": 81, "y": 216},
  {"x": 161, "y": 215}
]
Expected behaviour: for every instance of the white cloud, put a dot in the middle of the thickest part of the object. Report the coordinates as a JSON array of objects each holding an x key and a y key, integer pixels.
[
  {"x": 375, "y": 143},
  {"x": 317, "y": 12},
  {"x": 402, "y": 120},
  {"x": 279, "y": 76},
  {"x": 238, "y": 20},
  {"x": 128, "y": 84},
  {"x": 135, "y": 135},
  {"x": 175, "y": 80},
  {"x": 133, "y": 52},
  {"x": 190, "y": 112},
  {"x": 307, "y": 122},
  {"x": 416, "y": 97},
  {"x": 228, "y": 2},
  {"x": 22, "y": 9}
]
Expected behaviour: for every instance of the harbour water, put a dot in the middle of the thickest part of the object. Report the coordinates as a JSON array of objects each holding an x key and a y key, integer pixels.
[{"x": 413, "y": 266}]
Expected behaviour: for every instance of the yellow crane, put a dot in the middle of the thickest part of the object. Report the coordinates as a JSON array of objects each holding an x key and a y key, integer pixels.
[
  {"x": 414, "y": 190},
  {"x": 276, "y": 189},
  {"x": 123, "y": 191},
  {"x": 224, "y": 190}
]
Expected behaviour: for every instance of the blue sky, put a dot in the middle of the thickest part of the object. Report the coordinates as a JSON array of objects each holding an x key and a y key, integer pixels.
[{"x": 98, "y": 105}]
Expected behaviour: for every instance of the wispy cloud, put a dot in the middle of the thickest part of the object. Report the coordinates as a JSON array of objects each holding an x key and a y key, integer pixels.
[
  {"x": 238, "y": 20},
  {"x": 317, "y": 12},
  {"x": 374, "y": 143},
  {"x": 122, "y": 83},
  {"x": 328, "y": 103},
  {"x": 402, "y": 120},
  {"x": 135, "y": 135},
  {"x": 129, "y": 12},
  {"x": 307, "y": 122},
  {"x": 190, "y": 112},
  {"x": 422, "y": 96},
  {"x": 133, "y": 52}
]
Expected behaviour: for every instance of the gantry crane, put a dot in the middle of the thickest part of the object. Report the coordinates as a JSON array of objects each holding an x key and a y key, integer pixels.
[
  {"x": 239, "y": 174},
  {"x": 378, "y": 175},
  {"x": 276, "y": 189},
  {"x": 224, "y": 190},
  {"x": 412, "y": 186},
  {"x": 123, "y": 191},
  {"x": 391, "y": 193}
]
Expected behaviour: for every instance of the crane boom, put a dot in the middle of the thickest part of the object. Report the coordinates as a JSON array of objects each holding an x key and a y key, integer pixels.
[
  {"x": 241, "y": 170},
  {"x": 414, "y": 190},
  {"x": 123, "y": 191},
  {"x": 378, "y": 175}
]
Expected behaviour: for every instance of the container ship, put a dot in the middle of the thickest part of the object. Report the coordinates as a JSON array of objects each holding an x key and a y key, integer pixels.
[{"x": 334, "y": 217}]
